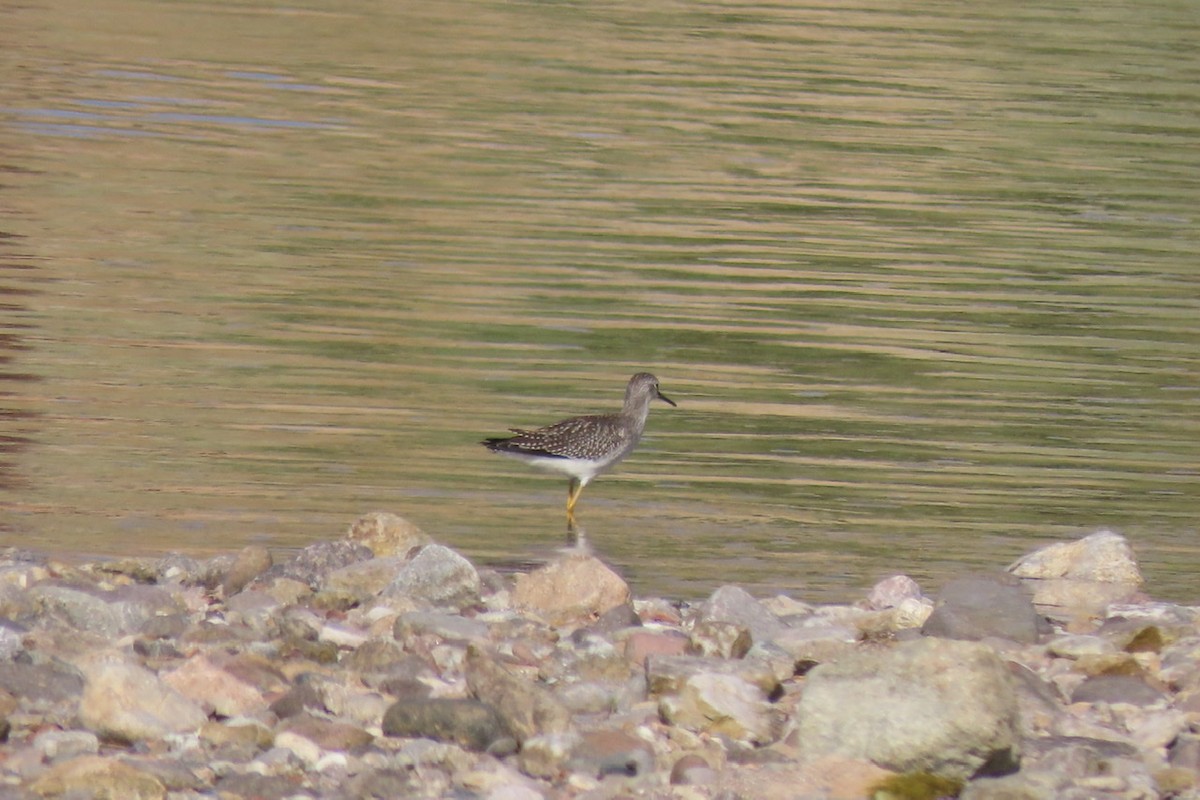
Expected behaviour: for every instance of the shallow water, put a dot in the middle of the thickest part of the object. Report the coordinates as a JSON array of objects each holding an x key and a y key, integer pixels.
[{"x": 920, "y": 276}]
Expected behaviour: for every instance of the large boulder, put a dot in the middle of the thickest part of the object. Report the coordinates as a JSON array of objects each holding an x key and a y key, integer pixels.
[{"x": 940, "y": 706}]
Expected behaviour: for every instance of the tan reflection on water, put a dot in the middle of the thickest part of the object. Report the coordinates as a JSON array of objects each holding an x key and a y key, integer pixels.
[{"x": 921, "y": 278}]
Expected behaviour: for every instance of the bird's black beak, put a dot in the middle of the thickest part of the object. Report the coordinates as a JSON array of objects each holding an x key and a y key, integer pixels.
[{"x": 663, "y": 397}]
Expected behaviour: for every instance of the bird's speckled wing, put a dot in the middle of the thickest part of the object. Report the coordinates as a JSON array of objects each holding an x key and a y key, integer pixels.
[{"x": 592, "y": 437}]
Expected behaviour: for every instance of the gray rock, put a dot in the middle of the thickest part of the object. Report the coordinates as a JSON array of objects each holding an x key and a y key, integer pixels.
[
  {"x": 932, "y": 705},
  {"x": 312, "y": 564},
  {"x": 471, "y": 724},
  {"x": 363, "y": 580},
  {"x": 735, "y": 605},
  {"x": 1116, "y": 689},
  {"x": 528, "y": 709},
  {"x": 437, "y": 575},
  {"x": 45, "y": 684},
  {"x": 981, "y": 606},
  {"x": 106, "y": 613},
  {"x": 440, "y": 624}
]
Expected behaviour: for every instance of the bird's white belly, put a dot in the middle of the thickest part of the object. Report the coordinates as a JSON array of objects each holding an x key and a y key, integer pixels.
[{"x": 575, "y": 468}]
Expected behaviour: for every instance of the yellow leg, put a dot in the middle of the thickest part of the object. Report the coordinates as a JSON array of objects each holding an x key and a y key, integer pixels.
[{"x": 573, "y": 492}]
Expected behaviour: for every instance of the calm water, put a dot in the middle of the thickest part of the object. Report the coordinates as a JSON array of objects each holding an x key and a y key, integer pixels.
[{"x": 921, "y": 276}]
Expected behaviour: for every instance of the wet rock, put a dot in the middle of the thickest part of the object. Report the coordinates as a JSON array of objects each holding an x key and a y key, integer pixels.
[
  {"x": 575, "y": 588},
  {"x": 732, "y": 604},
  {"x": 941, "y": 706},
  {"x": 471, "y": 724},
  {"x": 527, "y": 709},
  {"x": 128, "y": 703},
  {"x": 437, "y": 575},
  {"x": 977, "y": 607},
  {"x": 387, "y": 534},
  {"x": 1080, "y": 578}
]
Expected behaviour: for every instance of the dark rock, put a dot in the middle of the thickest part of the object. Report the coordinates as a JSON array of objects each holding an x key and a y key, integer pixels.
[
  {"x": 304, "y": 697},
  {"x": 978, "y": 607},
  {"x": 51, "y": 683},
  {"x": 471, "y": 724}
]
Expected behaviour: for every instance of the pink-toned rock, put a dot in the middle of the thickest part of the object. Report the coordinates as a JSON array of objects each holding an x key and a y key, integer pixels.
[
  {"x": 215, "y": 689},
  {"x": 574, "y": 588},
  {"x": 129, "y": 703},
  {"x": 640, "y": 644},
  {"x": 828, "y": 778}
]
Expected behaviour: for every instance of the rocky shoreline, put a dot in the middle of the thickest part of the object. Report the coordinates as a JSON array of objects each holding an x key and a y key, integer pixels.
[{"x": 385, "y": 665}]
